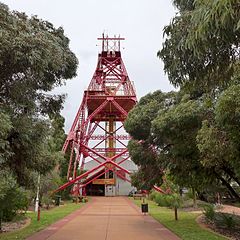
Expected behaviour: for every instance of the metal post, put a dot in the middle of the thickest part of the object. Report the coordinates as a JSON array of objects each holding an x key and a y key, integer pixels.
[
  {"x": 39, "y": 211},
  {"x": 37, "y": 198}
]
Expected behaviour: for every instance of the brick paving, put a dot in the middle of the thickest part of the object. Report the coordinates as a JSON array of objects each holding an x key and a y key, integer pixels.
[{"x": 106, "y": 218}]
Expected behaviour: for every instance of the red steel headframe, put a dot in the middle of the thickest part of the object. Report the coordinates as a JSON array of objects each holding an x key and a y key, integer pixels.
[{"x": 108, "y": 99}]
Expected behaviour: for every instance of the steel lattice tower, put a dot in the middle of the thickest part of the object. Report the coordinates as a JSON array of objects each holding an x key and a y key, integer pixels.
[{"x": 104, "y": 108}]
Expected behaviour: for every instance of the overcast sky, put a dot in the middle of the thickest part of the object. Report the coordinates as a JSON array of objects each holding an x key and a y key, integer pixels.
[{"x": 140, "y": 21}]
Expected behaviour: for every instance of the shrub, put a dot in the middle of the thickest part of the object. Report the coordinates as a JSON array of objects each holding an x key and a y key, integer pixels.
[
  {"x": 152, "y": 195},
  {"x": 226, "y": 220},
  {"x": 46, "y": 201},
  {"x": 188, "y": 194},
  {"x": 209, "y": 212},
  {"x": 12, "y": 197},
  {"x": 165, "y": 200},
  {"x": 160, "y": 199}
]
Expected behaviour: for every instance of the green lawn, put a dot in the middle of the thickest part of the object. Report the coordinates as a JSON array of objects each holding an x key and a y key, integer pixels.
[
  {"x": 47, "y": 217},
  {"x": 186, "y": 227}
]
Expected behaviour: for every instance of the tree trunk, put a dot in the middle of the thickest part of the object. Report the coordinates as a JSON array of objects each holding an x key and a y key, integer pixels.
[
  {"x": 232, "y": 174},
  {"x": 229, "y": 187},
  {"x": 176, "y": 213}
]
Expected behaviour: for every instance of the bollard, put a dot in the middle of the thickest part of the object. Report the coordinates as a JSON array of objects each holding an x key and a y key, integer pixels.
[{"x": 39, "y": 213}]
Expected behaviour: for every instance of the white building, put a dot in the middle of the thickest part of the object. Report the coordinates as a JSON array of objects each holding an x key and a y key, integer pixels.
[{"x": 117, "y": 187}]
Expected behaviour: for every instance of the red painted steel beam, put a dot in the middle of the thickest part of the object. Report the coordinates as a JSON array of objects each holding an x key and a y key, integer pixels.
[
  {"x": 158, "y": 189},
  {"x": 111, "y": 38},
  {"x": 118, "y": 155},
  {"x": 85, "y": 184},
  {"x": 116, "y": 165},
  {"x": 87, "y": 173},
  {"x": 79, "y": 177},
  {"x": 123, "y": 160},
  {"x": 98, "y": 110},
  {"x": 119, "y": 108},
  {"x": 93, "y": 151},
  {"x": 124, "y": 178}
]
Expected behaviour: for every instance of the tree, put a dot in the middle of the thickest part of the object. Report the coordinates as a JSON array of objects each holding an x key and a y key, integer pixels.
[
  {"x": 141, "y": 148},
  {"x": 5, "y": 127},
  {"x": 227, "y": 112},
  {"x": 201, "y": 49},
  {"x": 218, "y": 139},
  {"x": 174, "y": 133},
  {"x": 165, "y": 131},
  {"x": 177, "y": 141},
  {"x": 34, "y": 58},
  {"x": 196, "y": 137}
]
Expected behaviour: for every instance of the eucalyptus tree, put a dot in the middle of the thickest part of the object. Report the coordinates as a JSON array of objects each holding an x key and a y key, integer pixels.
[{"x": 34, "y": 59}]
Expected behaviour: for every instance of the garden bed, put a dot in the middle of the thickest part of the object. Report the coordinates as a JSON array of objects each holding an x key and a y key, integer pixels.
[
  {"x": 231, "y": 233},
  {"x": 15, "y": 225}
]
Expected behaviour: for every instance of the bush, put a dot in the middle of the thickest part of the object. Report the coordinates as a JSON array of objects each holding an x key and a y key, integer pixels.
[
  {"x": 165, "y": 200},
  {"x": 160, "y": 199},
  {"x": 226, "y": 220},
  {"x": 152, "y": 195},
  {"x": 209, "y": 212},
  {"x": 46, "y": 201},
  {"x": 12, "y": 197}
]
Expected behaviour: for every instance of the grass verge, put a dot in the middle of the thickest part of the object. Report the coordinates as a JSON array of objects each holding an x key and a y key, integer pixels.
[
  {"x": 186, "y": 227},
  {"x": 47, "y": 217}
]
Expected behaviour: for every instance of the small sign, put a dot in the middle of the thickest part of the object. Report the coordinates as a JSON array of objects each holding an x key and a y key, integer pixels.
[{"x": 107, "y": 181}]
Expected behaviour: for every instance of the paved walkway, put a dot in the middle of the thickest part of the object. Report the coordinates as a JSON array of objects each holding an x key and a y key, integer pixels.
[
  {"x": 230, "y": 209},
  {"x": 106, "y": 218}
]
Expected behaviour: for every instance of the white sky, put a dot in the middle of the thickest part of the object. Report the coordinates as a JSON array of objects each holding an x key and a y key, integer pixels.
[{"x": 140, "y": 21}]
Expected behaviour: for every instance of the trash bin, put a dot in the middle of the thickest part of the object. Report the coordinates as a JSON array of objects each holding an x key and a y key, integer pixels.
[
  {"x": 144, "y": 207},
  {"x": 57, "y": 200}
]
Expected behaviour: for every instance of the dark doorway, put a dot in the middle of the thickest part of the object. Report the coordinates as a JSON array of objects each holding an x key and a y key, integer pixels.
[{"x": 95, "y": 189}]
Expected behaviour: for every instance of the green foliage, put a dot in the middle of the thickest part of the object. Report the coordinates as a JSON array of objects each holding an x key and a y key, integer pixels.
[
  {"x": 209, "y": 212},
  {"x": 46, "y": 201},
  {"x": 152, "y": 195},
  {"x": 218, "y": 139},
  {"x": 138, "y": 123},
  {"x": 227, "y": 112},
  {"x": 184, "y": 5},
  {"x": 29, "y": 142},
  {"x": 161, "y": 200},
  {"x": 37, "y": 60},
  {"x": 49, "y": 183},
  {"x": 226, "y": 220},
  {"x": 195, "y": 138},
  {"x": 12, "y": 197},
  {"x": 168, "y": 200},
  {"x": 34, "y": 58},
  {"x": 5, "y": 127},
  {"x": 202, "y": 44},
  {"x": 171, "y": 143}
]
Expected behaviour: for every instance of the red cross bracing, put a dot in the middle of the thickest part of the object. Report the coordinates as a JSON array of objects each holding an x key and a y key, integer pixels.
[{"x": 97, "y": 132}]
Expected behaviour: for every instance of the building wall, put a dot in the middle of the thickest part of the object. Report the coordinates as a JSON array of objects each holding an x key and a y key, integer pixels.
[{"x": 122, "y": 187}]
